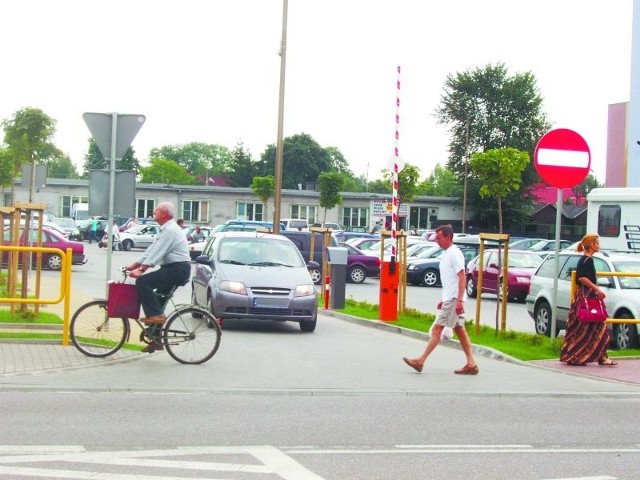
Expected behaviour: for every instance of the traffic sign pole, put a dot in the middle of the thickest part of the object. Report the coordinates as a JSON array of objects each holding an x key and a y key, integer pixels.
[
  {"x": 112, "y": 189},
  {"x": 562, "y": 159},
  {"x": 113, "y": 134}
]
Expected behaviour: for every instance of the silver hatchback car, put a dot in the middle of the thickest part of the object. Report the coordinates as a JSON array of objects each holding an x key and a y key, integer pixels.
[
  {"x": 622, "y": 293},
  {"x": 255, "y": 276}
]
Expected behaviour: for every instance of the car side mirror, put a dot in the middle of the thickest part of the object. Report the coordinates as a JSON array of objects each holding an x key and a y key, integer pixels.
[{"x": 204, "y": 260}]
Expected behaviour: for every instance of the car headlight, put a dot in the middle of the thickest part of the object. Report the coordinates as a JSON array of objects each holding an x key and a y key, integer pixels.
[
  {"x": 412, "y": 267},
  {"x": 233, "y": 287},
  {"x": 305, "y": 290},
  {"x": 523, "y": 279}
]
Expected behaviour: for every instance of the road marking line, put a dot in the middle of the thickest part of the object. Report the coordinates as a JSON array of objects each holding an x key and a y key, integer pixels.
[{"x": 274, "y": 461}]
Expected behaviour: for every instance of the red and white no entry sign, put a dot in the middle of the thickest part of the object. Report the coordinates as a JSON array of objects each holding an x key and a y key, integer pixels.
[{"x": 562, "y": 158}]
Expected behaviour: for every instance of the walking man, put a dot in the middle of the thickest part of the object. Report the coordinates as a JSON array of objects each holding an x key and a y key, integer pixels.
[
  {"x": 452, "y": 275},
  {"x": 93, "y": 230}
]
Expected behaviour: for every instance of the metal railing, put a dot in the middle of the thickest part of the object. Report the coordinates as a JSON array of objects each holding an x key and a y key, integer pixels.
[
  {"x": 65, "y": 284},
  {"x": 574, "y": 290}
]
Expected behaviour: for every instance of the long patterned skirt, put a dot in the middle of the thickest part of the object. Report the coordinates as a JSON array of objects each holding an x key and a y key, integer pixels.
[{"x": 584, "y": 342}]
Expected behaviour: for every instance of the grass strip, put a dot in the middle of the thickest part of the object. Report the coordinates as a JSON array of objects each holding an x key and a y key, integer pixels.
[{"x": 520, "y": 345}]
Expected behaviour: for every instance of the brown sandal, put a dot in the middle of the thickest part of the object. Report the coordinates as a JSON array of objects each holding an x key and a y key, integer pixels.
[
  {"x": 413, "y": 364},
  {"x": 468, "y": 370}
]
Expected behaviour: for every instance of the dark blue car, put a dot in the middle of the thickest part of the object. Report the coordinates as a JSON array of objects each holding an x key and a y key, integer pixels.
[{"x": 426, "y": 271}]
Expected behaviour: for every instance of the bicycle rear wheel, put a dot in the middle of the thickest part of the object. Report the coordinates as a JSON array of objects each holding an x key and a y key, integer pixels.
[
  {"x": 191, "y": 335},
  {"x": 94, "y": 333}
]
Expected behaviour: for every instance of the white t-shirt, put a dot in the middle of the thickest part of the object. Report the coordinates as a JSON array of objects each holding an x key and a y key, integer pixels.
[{"x": 451, "y": 262}]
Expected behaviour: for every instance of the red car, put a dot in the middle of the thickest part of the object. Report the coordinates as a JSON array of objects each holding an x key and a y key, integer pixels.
[
  {"x": 50, "y": 239},
  {"x": 522, "y": 266},
  {"x": 359, "y": 265}
]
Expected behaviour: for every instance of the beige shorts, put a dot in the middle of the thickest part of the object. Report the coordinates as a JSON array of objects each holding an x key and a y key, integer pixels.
[{"x": 448, "y": 316}]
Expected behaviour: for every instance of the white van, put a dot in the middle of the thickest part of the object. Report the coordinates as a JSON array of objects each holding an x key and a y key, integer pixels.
[
  {"x": 80, "y": 212},
  {"x": 614, "y": 214},
  {"x": 295, "y": 224}
]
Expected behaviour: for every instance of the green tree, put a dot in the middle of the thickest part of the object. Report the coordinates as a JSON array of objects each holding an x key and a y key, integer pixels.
[
  {"x": 244, "y": 168},
  {"x": 380, "y": 185},
  {"x": 500, "y": 173},
  {"x": 61, "y": 167},
  {"x": 441, "y": 183},
  {"x": 28, "y": 135},
  {"x": 94, "y": 160},
  {"x": 484, "y": 109},
  {"x": 330, "y": 184},
  {"x": 303, "y": 160},
  {"x": 407, "y": 183},
  {"x": 264, "y": 188},
  {"x": 200, "y": 159},
  {"x": 589, "y": 183},
  {"x": 353, "y": 183},
  {"x": 338, "y": 162},
  {"x": 165, "y": 172},
  {"x": 7, "y": 168}
]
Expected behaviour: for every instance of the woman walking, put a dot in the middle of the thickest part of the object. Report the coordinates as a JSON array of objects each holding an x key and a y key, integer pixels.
[{"x": 586, "y": 342}]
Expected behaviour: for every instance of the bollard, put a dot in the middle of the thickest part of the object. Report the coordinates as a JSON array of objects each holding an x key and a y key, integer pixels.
[
  {"x": 389, "y": 279},
  {"x": 327, "y": 282}
]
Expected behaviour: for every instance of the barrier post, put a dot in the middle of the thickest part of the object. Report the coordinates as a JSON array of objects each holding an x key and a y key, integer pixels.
[
  {"x": 327, "y": 282},
  {"x": 389, "y": 275}
]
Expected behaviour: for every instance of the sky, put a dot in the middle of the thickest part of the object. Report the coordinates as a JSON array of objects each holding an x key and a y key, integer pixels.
[{"x": 209, "y": 70}]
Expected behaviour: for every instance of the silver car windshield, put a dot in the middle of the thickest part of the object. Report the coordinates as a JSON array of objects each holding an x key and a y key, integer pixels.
[
  {"x": 259, "y": 252},
  {"x": 628, "y": 267}
]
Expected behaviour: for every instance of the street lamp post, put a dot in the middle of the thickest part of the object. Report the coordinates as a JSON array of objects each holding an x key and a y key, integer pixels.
[
  {"x": 277, "y": 197},
  {"x": 466, "y": 167}
]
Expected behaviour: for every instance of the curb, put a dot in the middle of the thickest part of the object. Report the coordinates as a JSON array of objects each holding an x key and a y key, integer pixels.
[{"x": 479, "y": 350}]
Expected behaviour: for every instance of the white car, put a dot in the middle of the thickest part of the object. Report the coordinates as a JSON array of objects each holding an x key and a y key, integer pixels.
[
  {"x": 139, "y": 236},
  {"x": 374, "y": 249},
  {"x": 195, "y": 249},
  {"x": 622, "y": 299}
]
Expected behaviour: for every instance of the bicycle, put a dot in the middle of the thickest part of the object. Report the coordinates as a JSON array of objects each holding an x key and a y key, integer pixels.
[{"x": 191, "y": 334}]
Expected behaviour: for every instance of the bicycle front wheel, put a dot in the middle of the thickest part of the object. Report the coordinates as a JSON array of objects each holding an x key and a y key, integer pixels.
[
  {"x": 94, "y": 333},
  {"x": 192, "y": 335}
]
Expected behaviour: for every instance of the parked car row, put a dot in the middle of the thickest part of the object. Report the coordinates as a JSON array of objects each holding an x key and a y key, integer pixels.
[
  {"x": 50, "y": 239},
  {"x": 538, "y": 244},
  {"x": 522, "y": 265}
]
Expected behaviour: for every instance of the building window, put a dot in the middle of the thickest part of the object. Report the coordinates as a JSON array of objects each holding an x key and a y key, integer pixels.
[
  {"x": 423, "y": 217},
  {"x": 68, "y": 201},
  {"x": 249, "y": 211},
  {"x": 609, "y": 220},
  {"x": 195, "y": 211},
  {"x": 306, "y": 212},
  {"x": 145, "y": 208},
  {"x": 355, "y": 217}
]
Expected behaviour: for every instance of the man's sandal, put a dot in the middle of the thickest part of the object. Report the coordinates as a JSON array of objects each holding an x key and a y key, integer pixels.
[
  {"x": 413, "y": 364},
  {"x": 468, "y": 370}
]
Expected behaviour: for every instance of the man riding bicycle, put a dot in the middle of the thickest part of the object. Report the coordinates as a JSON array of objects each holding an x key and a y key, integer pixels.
[{"x": 170, "y": 251}]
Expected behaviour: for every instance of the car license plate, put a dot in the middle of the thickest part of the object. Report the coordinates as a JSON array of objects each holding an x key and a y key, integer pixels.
[{"x": 270, "y": 302}]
